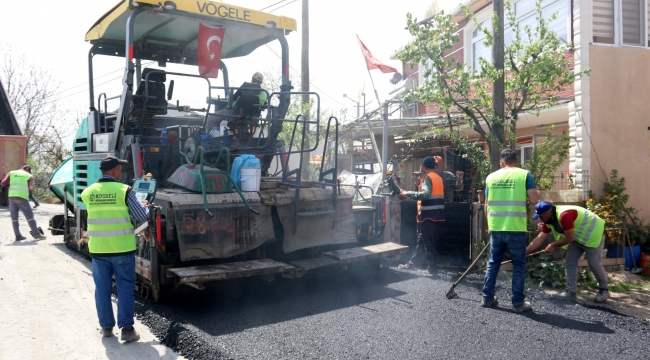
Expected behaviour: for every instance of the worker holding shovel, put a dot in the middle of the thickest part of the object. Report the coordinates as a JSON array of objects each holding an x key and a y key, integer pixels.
[
  {"x": 506, "y": 192},
  {"x": 579, "y": 231}
]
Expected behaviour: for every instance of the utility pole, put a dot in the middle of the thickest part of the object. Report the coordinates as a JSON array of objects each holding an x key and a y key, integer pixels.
[
  {"x": 304, "y": 87},
  {"x": 384, "y": 168},
  {"x": 498, "y": 88}
]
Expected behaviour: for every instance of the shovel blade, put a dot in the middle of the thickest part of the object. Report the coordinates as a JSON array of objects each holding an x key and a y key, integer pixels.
[{"x": 451, "y": 294}]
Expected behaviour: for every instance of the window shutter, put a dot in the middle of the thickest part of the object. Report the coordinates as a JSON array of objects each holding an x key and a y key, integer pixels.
[
  {"x": 603, "y": 18},
  {"x": 631, "y": 11}
]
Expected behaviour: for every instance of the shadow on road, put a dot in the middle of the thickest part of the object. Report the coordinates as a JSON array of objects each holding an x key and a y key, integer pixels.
[
  {"x": 565, "y": 322},
  {"x": 253, "y": 304},
  {"x": 570, "y": 323}
]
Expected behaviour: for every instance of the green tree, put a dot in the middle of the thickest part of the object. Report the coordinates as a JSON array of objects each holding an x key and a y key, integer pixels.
[
  {"x": 536, "y": 69},
  {"x": 547, "y": 157},
  {"x": 298, "y": 108}
]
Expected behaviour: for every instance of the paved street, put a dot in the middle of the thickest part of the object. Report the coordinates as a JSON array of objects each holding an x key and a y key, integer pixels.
[{"x": 396, "y": 314}]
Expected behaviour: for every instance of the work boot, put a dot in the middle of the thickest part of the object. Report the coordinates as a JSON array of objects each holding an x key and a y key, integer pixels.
[
  {"x": 523, "y": 307},
  {"x": 20, "y": 237},
  {"x": 568, "y": 295},
  {"x": 39, "y": 237},
  {"x": 129, "y": 334},
  {"x": 432, "y": 269},
  {"x": 106, "y": 332},
  {"x": 603, "y": 295},
  {"x": 490, "y": 303}
]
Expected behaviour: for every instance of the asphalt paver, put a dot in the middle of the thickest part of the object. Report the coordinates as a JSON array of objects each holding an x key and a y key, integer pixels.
[{"x": 386, "y": 313}]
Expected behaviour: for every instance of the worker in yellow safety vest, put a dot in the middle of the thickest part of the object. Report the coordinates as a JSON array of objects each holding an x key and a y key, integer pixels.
[
  {"x": 579, "y": 231},
  {"x": 506, "y": 192},
  {"x": 431, "y": 211},
  {"x": 20, "y": 183},
  {"x": 110, "y": 206}
]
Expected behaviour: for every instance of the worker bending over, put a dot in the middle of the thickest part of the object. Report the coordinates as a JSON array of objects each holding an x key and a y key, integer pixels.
[
  {"x": 20, "y": 183},
  {"x": 579, "y": 231}
]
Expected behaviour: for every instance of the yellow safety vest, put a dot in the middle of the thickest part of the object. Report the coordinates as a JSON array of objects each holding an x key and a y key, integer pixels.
[
  {"x": 110, "y": 230},
  {"x": 588, "y": 228},
  {"x": 19, "y": 184},
  {"x": 507, "y": 200}
]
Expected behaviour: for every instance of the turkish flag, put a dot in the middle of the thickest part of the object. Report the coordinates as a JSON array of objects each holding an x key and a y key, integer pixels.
[
  {"x": 208, "y": 50},
  {"x": 372, "y": 62}
]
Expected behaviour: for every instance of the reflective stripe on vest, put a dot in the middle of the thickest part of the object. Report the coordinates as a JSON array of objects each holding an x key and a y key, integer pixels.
[
  {"x": 507, "y": 200},
  {"x": 110, "y": 230},
  {"x": 19, "y": 184},
  {"x": 588, "y": 228},
  {"x": 432, "y": 209}
]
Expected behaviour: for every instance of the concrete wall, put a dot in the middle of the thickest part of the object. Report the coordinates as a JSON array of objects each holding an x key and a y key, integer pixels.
[{"x": 620, "y": 128}]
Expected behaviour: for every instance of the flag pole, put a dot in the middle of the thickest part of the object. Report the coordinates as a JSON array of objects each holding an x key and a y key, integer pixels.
[{"x": 372, "y": 135}]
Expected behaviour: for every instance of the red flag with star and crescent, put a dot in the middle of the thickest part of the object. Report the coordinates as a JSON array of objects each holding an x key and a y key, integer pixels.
[
  {"x": 208, "y": 50},
  {"x": 372, "y": 62}
]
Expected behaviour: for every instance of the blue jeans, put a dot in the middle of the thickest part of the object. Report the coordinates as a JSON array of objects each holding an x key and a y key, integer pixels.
[
  {"x": 32, "y": 198},
  {"x": 515, "y": 242},
  {"x": 123, "y": 267}
]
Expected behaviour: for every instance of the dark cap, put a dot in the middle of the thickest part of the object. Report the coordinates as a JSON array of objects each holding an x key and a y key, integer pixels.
[
  {"x": 429, "y": 162},
  {"x": 110, "y": 162},
  {"x": 541, "y": 208}
]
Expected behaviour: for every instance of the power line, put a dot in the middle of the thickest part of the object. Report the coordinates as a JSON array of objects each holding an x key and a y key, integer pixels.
[
  {"x": 79, "y": 92},
  {"x": 86, "y": 83},
  {"x": 272, "y": 5},
  {"x": 280, "y": 7},
  {"x": 311, "y": 83}
]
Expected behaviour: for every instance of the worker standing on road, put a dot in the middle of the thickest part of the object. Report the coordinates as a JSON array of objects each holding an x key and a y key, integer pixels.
[
  {"x": 20, "y": 182},
  {"x": 451, "y": 182},
  {"x": 579, "y": 231},
  {"x": 506, "y": 191},
  {"x": 431, "y": 210},
  {"x": 110, "y": 206}
]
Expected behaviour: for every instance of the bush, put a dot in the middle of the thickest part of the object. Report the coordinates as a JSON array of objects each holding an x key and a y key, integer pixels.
[
  {"x": 611, "y": 207},
  {"x": 543, "y": 272}
]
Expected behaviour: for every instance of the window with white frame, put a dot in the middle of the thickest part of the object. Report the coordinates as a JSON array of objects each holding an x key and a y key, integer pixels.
[
  {"x": 525, "y": 14},
  {"x": 621, "y": 22},
  {"x": 524, "y": 153}
]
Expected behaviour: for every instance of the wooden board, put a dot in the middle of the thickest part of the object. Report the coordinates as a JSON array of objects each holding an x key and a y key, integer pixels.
[
  {"x": 315, "y": 263},
  {"x": 235, "y": 270},
  {"x": 347, "y": 256}
]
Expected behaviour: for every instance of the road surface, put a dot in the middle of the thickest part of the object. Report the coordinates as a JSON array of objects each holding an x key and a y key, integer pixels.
[
  {"x": 48, "y": 308},
  {"x": 47, "y": 304}
]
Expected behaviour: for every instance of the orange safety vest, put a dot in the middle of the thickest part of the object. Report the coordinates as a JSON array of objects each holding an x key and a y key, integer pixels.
[{"x": 432, "y": 209}]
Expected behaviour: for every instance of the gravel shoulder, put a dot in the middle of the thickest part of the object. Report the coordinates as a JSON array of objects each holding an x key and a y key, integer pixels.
[{"x": 48, "y": 305}]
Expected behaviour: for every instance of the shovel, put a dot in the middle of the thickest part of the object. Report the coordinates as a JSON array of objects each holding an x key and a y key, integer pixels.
[
  {"x": 509, "y": 261},
  {"x": 452, "y": 294}
]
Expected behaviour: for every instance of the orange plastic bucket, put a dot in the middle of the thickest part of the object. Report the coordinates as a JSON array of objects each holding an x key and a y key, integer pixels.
[{"x": 645, "y": 264}]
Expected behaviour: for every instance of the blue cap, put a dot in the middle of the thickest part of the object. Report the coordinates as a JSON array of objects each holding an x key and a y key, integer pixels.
[
  {"x": 429, "y": 162},
  {"x": 541, "y": 208}
]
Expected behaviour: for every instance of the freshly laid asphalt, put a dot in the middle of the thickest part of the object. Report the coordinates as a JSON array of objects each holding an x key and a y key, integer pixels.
[{"x": 395, "y": 314}]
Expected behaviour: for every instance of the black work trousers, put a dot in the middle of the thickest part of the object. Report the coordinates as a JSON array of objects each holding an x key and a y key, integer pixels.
[{"x": 425, "y": 243}]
